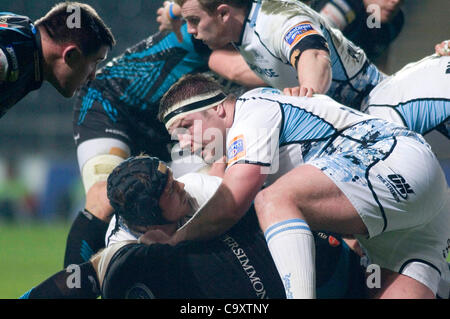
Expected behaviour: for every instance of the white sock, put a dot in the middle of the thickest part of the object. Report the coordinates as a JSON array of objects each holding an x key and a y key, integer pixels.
[{"x": 291, "y": 245}]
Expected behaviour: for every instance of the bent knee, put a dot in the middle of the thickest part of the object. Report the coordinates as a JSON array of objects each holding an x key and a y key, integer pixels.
[
  {"x": 266, "y": 200},
  {"x": 272, "y": 207}
]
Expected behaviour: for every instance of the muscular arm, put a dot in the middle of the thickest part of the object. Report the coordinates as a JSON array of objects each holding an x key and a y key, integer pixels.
[
  {"x": 314, "y": 73},
  {"x": 229, "y": 63},
  {"x": 229, "y": 204},
  {"x": 97, "y": 201}
]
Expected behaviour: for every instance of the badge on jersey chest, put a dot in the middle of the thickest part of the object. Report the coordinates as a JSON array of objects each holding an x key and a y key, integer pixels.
[
  {"x": 297, "y": 33},
  {"x": 236, "y": 149}
]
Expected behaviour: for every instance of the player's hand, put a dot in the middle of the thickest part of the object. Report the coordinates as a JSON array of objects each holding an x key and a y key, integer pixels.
[
  {"x": 218, "y": 167},
  {"x": 299, "y": 91},
  {"x": 354, "y": 245},
  {"x": 443, "y": 48},
  {"x": 166, "y": 22}
]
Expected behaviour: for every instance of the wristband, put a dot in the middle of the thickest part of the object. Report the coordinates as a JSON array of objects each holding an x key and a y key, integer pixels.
[{"x": 171, "y": 14}]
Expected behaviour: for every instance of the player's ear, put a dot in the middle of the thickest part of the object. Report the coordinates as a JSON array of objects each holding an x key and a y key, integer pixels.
[
  {"x": 220, "y": 110},
  {"x": 72, "y": 55},
  {"x": 224, "y": 12}
]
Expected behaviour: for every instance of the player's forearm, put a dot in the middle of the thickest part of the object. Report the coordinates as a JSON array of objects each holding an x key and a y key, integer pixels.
[
  {"x": 97, "y": 202},
  {"x": 229, "y": 64},
  {"x": 214, "y": 219},
  {"x": 314, "y": 70}
]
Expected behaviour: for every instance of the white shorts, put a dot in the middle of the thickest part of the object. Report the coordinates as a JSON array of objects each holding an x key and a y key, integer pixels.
[
  {"x": 417, "y": 252},
  {"x": 400, "y": 192}
]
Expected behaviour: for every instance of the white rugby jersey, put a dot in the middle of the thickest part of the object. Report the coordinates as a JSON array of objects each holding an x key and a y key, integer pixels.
[
  {"x": 417, "y": 96},
  {"x": 276, "y": 31},
  {"x": 275, "y": 130}
]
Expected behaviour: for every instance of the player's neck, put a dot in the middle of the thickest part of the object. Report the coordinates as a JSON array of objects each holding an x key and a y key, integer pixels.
[
  {"x": 49, "y": 55},
  {"x": 229, "y": 105}
]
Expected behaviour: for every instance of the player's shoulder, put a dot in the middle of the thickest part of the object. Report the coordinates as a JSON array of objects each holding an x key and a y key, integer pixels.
[
  {"x": 271, "y": 18},
  {"x": 259, "y": 98},
  {"x": 258, "y": 92},
  {"x": 258, "y": 107}
]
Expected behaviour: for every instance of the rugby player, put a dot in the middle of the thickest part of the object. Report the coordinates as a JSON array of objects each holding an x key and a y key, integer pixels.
[
  {"x": 55, "y": 48},
  {"x": 288, "y": 44},
  {"x": 115, "y": 116},
  {"x": 361, "y": 23},
  {"x": 336, "y": 169},
  {"x": 144, "y": 194}
]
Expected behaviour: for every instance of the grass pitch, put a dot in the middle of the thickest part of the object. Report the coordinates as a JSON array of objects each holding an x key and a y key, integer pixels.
[{"x": 29, "y": 254}]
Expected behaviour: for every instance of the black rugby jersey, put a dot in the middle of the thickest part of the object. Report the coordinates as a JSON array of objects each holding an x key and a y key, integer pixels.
[
  {"x": 123, "y": 100},
  {"x": 20, "y": 47}
]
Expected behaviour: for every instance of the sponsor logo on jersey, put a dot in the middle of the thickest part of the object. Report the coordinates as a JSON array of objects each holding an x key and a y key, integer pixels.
[
  {"x": 116, "y": 132},
  {"x": 401, "y": 186},
  {"x": 247, "y": 267},
  {"x": 397, "y": 185},
  {"x": 270, "y": 73},
  {"x": 236, "y": 150},
  {"x": 297, "y": 33}
]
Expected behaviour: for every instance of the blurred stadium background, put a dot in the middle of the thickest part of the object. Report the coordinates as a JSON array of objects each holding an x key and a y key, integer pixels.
[{"x": 40, "y": 185}]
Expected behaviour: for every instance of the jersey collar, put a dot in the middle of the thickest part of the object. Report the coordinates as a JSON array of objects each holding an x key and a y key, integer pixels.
[
  {"x": 38, "y": 58},
  {"x": 250, "y": 19}
]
